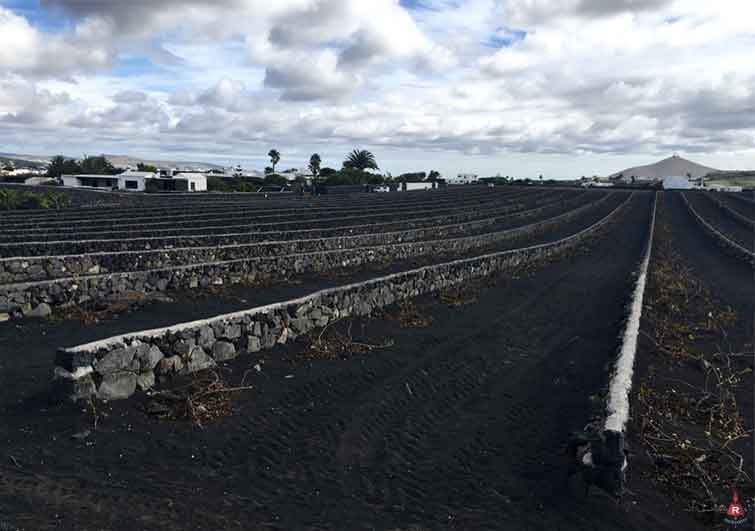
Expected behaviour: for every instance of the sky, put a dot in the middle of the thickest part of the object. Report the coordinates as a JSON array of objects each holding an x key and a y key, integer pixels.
[{"x": 562, "y": 88}]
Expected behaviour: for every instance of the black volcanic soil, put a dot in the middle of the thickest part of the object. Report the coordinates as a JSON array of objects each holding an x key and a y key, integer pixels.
[
  {"x": 742, "y": 203},
  {"x": 461, "y": 424},
  {"x": 713, "y": 214},
  {"x": 731, "y": 283},
  {"x": 28, "y": 346}
]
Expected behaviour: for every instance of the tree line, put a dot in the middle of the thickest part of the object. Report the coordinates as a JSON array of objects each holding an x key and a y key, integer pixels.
[
  {"x": 97, "y": 165},
  {"x": 358, "y": 167}
]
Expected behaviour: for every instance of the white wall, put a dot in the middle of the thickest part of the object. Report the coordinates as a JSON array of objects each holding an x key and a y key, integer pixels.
[
  {"x": 418, "y": 186},
  {"x": 70, "y": 180},
  {"x": 199, "y": 181},
  {"x": 123, "y": 178}
]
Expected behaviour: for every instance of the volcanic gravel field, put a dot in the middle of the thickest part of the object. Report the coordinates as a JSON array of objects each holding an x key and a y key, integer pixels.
[{"x": 455, "y": 417}]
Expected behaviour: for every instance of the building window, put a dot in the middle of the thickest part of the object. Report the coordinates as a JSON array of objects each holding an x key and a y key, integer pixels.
[
  {"x": 193, "y": 187},
  {"x": 132, "y": 185}
]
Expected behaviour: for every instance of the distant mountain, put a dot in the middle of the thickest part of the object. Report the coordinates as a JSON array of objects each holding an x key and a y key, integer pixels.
[
  {"x": 23, "y": 160},
  {"x": 672, "y": 166},
  {"x": 118, "y": 161}
]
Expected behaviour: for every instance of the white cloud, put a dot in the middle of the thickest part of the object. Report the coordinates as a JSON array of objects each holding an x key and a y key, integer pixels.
[
  {"x": 25, "y": 50},
  {"x": 481, "y": 82}
]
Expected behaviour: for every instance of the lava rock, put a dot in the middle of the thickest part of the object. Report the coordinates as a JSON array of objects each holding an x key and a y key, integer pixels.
[
  {"x": 253, "y": 344},
  {"x": 223, "y": 351},
  {"x": 198, "y": 360},
  {"x": 206, "y": 337},
  {"x": 170, "y": 365},
  {"x": 231, "y": 331},
  {"x": 117, "y": 386},
  {"x": 145, "y": 380},
  {"x": 42, "y": 310},
  {"x": 116, "y": 360},
  {"x": 149, "y": 356}
]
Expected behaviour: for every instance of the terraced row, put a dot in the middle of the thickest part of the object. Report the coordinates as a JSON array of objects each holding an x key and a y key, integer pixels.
[
  {"x": 722, "y": 219},
  {"x": 239, "y": 234},
  {"x": 281, "y": 267},
  {"x": 293, "y": 207},
  {"x": 744, "y": 211},
  {"x": 41, "y": 248},
  {"x": 230, "y": 221},
  {"x": 25, "y": 269}
]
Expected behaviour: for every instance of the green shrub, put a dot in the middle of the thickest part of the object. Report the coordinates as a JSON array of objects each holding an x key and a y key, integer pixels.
[{"x": 15, "y": 200}]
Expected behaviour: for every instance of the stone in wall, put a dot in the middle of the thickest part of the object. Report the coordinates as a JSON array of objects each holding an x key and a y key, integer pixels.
[
  {"x": 198, "y": 360},
  {"x": 117, "y": 385},
  {"x": 224, "y": 351}
]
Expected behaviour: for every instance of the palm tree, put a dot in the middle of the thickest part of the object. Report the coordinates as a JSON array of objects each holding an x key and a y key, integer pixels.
[
  {"x": 360, "y": 159},
  {"x": 314, "y": 164},
  {"x": 56, "y": 167},
  {"x": 274, "y": 157}
]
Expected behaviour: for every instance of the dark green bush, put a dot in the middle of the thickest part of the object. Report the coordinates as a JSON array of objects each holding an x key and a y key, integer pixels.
[{"x": 15, "y": 200}]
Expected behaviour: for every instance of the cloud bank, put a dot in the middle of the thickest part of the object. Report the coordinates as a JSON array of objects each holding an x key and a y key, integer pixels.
[{"x": 484, "y": 85}]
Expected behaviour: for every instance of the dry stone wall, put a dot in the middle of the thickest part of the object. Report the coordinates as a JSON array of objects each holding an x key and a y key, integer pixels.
[
  {"x": 738, "y": 216},
  {"x": 24, "y": 298},
  {"x": 31, "y": 268},
  {"x": 726, "y": 243},
  {"x": 116, "y": 368},
  {"x": 230, "y": 222},
  {"x": 241, "y": 234}
]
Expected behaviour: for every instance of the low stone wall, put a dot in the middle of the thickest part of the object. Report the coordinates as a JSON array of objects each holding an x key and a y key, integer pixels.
[
  {"x": 201, "y": 203},
  {"x": 24, "y": 298},
  {"x": 238, "y": 235},
  {"x": 115, "y": 368},
  {"x": 199, "y": 215},
  {"x": 728, "y": 245},
  {"x": 222, "y": 225},
  {"x": 729, "y": 211},
  {"x": 605, "y": 455},
  {"x": 29, "y": 269}
]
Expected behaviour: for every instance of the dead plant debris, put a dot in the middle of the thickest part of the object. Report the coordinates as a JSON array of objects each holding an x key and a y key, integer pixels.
[
  {"x": 206, "y": 397},
  {"x": 410, "y": 316},
  {"x": 329, "y": 343},
  {"x": 689, "y": 427}
]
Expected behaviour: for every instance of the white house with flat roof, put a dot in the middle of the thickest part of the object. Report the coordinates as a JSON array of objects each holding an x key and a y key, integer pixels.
[
  {"x": 677, "y": 182},
  {"x": 139, "y": 181},
  {"x": 195, "y": 182},
  {"x": 103, "y": 182},
  {"x": 463, "y": 178}
]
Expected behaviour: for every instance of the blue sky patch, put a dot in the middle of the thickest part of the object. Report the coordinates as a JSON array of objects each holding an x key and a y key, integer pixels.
[{"x": 505, "y": 38}]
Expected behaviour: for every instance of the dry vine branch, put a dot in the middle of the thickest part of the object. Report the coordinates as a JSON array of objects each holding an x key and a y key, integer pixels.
[
  {"x": 204, "y": 398},
  {"x": 685, "y": 320}
]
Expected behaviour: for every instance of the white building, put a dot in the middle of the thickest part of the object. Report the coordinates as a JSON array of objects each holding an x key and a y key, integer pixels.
[
  {"x": 677, "y": 182},
  {"x": 463, "y": 178},
  {"x": 410, "y": 187},
  {"x": 723, "y": 188},
  {"x": 103, "y": 182},
  {"x": 139, "y": 181},
  {"x": 195, "y": 182}
]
